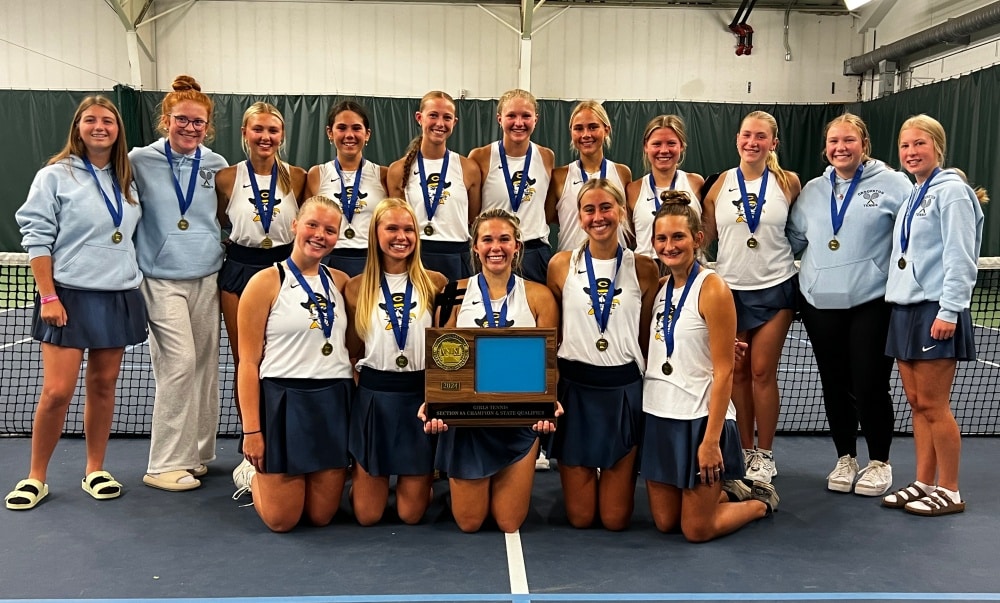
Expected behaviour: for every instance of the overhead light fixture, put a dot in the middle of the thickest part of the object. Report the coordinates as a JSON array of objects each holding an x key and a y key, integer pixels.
[{"x": 855, "y": 4}]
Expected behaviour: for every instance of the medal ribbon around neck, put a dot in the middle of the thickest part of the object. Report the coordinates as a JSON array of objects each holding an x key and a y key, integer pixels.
[
  {"x": 183, "y": 200},
  {"x": 652, "y": 187},
  {"x": 838, "y": 215},
  {"x": 349, "y": 203},
  {"x": 604, "y": 169},
  {"x": 116, "y": 214},
  {"x": 400, "y": 328},
  {"x": 753, "y": 218},
  {"x": 431, "y": 205},
  {"x": 670, "y": 318},
  {"x": 911, "y": 210},
  {"x": 602, "y": 313},
  {"x": 325, "y": 314},
  {"x": 515, "y": 197},
  {"x": 484, "y": 289},
  {"x": 265, "y": 216}
]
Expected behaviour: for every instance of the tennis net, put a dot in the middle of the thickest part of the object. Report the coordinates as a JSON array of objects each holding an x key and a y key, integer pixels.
[{"x": 975, "y": 394}]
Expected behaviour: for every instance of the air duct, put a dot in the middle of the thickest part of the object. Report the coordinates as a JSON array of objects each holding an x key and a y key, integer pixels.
[{"x": 952, "y": 30}]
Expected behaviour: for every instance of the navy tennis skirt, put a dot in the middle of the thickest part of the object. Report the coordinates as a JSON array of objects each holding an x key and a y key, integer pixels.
[
  {"x": 454, "y": 260},
  {"x": 603, "y": 420},
  {"x": 350, "y": 261},
  {"x": 910, "y": 334},
  {"x": 670, "y": 451},
  {"x": 386, "y": 436},
  {"x": 305, "y": 424},
  {"x": 242, "y": 263},
  {"x": 94, "y": 319},
  {"x": 535, "y": 261},
  {"x": 756, "y": 307},
  {"x": 477, "y": 452}
]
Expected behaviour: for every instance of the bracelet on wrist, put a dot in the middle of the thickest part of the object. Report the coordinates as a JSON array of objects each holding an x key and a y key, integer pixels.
[
  {"x": 246, "y": 433},
  {"x": 47, "y": 299}
]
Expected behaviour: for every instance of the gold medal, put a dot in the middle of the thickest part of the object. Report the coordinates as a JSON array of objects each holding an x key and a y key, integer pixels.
[
  {"x": 182, "y": 224},
  {"x": 901, "y": 263},
  {"x": 349, "y": 233},
  {"x": 666, "y": 368},
  {"x": 429, "y": 229},
  {"x": 401, "y": 361},
  {"x": 327, "y": 348},
  {"x": 267, "y": 243},
  {"x": 834, "y": 244},
  {"x": 752, "y": 243},
  {"x": 117, "y": 237},
  {"x": 602, "y": 344}
]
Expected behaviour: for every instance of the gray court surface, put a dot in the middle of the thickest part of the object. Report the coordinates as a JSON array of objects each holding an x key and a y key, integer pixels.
[{"x": 203, "y": 546}]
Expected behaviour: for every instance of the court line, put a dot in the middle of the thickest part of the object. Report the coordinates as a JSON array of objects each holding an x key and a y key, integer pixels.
[
  {"x": 14, "y": 343},
  {"x": 515, "y": 564},
  {"x": 522, "y": 598}
]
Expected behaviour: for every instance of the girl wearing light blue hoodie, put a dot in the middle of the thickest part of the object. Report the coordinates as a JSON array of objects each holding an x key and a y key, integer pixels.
[
  {"x": 180, "y": 252},
  {"x": 843, "y": 220},
  {"x": 936, "y": 242},
  {"x": 77, "y": 226}
]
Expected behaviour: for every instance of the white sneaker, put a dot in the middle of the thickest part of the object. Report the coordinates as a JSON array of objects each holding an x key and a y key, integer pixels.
[
  {"x": 841, "y": 479},
  {"x": 243, "y": 478},
  {"x": 875, "y": 479},
  {"x": 542, "y": 462},
  {"x": 762, "y": 467}
]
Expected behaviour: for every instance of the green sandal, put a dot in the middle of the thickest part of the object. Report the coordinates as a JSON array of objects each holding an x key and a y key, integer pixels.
[
  {"x": 28, "y": 493},
  {"x": 101, "y": 485}
]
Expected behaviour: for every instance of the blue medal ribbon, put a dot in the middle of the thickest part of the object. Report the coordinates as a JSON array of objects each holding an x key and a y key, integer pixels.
[
  {"x": 518, "y": 196},
  {"x": 400, "y": 328},
  {"x": 652, "y": 187},
  {"x": 911, "y": 210},
  {"x": 183, "y": 200},
  {"x": 265, "y": 216},
  {"x": 325, "y": 312},
  {"x": 484, "y": 289},
  {"x": 753, "y": 218},
  {"x": 838, "y": 215},
  {"x": 602, "y": 313},
  {"x": 670, "y": 318},
  {"x": 349, "y": 203},
  {"x": 117, "y": 210},
  {"x": 431, "y": 205},
  {"x": 604, "y": 169}
]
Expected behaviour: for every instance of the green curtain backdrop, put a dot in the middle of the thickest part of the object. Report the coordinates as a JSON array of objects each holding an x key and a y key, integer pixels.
[{"x": 40, "y": 121}]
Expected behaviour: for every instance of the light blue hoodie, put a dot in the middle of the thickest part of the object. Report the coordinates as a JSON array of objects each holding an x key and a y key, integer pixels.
[
  {"x": 165, "y": 251},
  {"x": 945, "y": 238},
  {"x": 66, "y": 217},
  {"x": 856, "y": 272}
]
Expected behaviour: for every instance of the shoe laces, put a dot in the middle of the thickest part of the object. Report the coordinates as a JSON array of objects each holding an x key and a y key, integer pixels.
[
  {"x": 876, "y": 472},
  {"x": 843, "y": 468},
  {"x": 240, "y": 492}
]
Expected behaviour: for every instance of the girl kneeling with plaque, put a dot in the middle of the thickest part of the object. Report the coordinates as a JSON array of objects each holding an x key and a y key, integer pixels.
[
  {"x": 491, "y": 469},
  {"x": 606, "y": 294},
  {"x": 295, "y": 394},
  {"x": 391, "y": 303},
  {"x": 691, "y": 444}
]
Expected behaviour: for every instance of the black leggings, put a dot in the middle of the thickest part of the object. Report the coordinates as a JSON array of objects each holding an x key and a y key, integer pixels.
[{"x": 849, "y": 346}]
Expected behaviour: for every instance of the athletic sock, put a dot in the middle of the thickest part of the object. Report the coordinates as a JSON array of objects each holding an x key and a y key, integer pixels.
[
  {"x": 925, "y": 487},
  {"x": 952, "y": 494}
]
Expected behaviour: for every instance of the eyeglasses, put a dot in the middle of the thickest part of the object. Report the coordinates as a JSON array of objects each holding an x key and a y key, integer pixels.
[{"x": 183, "y": 121}]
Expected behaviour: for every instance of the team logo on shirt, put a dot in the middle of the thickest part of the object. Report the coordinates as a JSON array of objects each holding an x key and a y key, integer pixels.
[
  {"x": 322, "y": 303},
  {"x": 361, "y": 204},
  {"x": 871, "y": 197},
  {"x": 433, "y": 182},
  {"x": 485, "y": 323},
  {"x": 397, "y": 308},
  {"x": 207, "y": 176},
  {"x": 924, "y": 205},
  {"x": 265, "y": 201},
  {"x": 659, "y": 320},
  {"x": 529, "y": 192},
  {"x": 603, "y": 287},
  {"x": 738, "y": 204}
]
